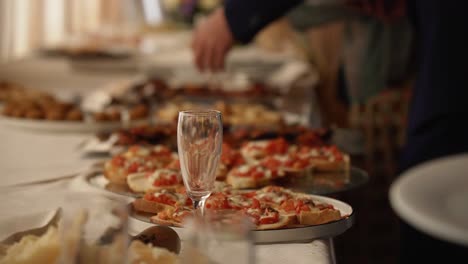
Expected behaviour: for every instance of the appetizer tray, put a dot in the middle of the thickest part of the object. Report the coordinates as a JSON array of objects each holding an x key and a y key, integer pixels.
[
  {"x": 140, "y": 221},
  {"x": 294, "y": 234},
  {"x": 320, "y": 184}
]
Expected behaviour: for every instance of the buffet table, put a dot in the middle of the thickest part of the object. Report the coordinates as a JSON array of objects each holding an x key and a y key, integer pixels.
[{"x": 45, "y": 162}]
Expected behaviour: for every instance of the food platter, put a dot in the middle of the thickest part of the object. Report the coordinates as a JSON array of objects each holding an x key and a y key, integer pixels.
[
  {"x": 295, "y": 234},
  {"x": 140, "y": 221},
  {"x": 65, "y": 126},
  {"x": 321, "y": 184}
]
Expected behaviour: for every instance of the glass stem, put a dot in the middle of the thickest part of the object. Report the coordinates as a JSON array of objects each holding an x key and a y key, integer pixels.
[{"x": 199, "y": 206}]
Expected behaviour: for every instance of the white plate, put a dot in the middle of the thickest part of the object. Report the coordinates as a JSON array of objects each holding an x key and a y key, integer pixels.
[
  {"x": 64, "y": 126},
  {"x": 433, "y": 197},
  {"x": 139, "y": 222}
]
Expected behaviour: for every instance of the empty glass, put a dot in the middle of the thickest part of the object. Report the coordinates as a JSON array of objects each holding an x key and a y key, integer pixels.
[{"x": 199, "y": 140}]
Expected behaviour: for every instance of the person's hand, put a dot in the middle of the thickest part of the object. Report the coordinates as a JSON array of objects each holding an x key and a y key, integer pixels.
[{"x": 212, "y": 40}]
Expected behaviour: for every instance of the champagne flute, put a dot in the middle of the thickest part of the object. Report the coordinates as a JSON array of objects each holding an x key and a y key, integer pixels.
[{"x": 199, "y": 140}]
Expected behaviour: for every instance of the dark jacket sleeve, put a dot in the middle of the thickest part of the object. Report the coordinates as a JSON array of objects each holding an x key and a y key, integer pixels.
[{"x": 246, "y": 17}]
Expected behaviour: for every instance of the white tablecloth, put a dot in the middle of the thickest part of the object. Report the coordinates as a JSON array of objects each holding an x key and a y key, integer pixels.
[{"x": 27, "y": 157}]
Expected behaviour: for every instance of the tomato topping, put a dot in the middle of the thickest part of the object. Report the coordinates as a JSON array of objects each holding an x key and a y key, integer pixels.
[
  {"x": 252, "y": 171},
  {"x": 294, "y": 206},
  {"x": 188, "y": 201},
  {"x": 254, "y": 216},
  {"x": 166, "y": 181},
  {"x": 304, "y": 208},
  {"x": 258, "y": 175},
  {"x": 299, "y": 163},
  {"x": 277, "y": 146},
  {"x": 133, "y": 148},
  {"x": 160, "y": 149},
  {"x": 161, "y": 198},
  {"x": 288, "y": 206},
  {"x": 217, "y": 201},
  {"x": 133, "y": 167},
  {"x": 269, "y": 219},
  {"x": 255, "y": 203},
  {"x": 271, "y": 163},
  {"x": 174, "y": 165},
  {"x": 231, "y": 157},
  {"x": 182, "y": 215},
  {"x": 163, "y": 215},
  {"x": 250, "y": 194},
  {"x": 118, "y": 161}
]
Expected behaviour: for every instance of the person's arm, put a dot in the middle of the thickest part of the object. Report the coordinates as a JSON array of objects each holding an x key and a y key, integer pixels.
[
  {"x": 239, "y": 20},
  {"x": 247, "y": 17}
]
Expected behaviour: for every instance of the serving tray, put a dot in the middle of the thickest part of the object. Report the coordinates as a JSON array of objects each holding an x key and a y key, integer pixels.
[
  {"x": 319, "y": 184},
  {"x": 140, "y": 221}
]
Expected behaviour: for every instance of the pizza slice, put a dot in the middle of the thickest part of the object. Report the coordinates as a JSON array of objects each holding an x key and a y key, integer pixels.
[
  {"x": 325, "y": 159},
  {"x": 173, "y": 216},
  {"x": 266, "y": 217},
  {"x": 308, "y": 212},
  {"x": 273, "y": 195},
  {"x": 250, "y": 176},
  {"x": 137, "y": 159},
  {"x": 287, "y": 165},
  {"x": 230, "y": 158},
  {"x": 255, "y": 150},
  {"x": 157, "y": 201},
  {"x": 159, "y": 179}
]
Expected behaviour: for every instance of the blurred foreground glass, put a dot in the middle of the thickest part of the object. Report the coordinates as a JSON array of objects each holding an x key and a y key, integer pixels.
[
  {"x": 218, "y": 237},
  {"x": 199, "y": 140},
  {"x": 94, "y": 229}
]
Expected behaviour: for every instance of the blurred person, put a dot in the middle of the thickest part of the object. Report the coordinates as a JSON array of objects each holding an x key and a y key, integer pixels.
[
  {"x": 436, "y": 124},
  {"x": 355, "y": 54}
]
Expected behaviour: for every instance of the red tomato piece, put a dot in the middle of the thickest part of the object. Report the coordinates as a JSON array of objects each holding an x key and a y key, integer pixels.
[
  {"x": 255, "y": 203},
  {"x": 288, "y": 206},
  {"x": 269, "y": 220},
  {"x": 118, "y": 161},
  {"x": 258, "y": 174},
  {"x": 133, "y": 167}
]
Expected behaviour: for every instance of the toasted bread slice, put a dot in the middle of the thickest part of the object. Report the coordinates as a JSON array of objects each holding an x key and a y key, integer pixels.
[
  {"x": 143, "y": 205},
  {"x": 332, "y": 166},
  {"x": 284, "y": 221},
  {"x": 165, "y": 222},
  {"x": 290, "y": 172},
  {"x": 253, "y": 155},
  {"x": 316, "y": 216},
  {"x": 172, "y": 217},
  {"x": 245, "y": 182},
  {"x": 138, "y": 182},
  {"x": 115, "y": 174}
]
